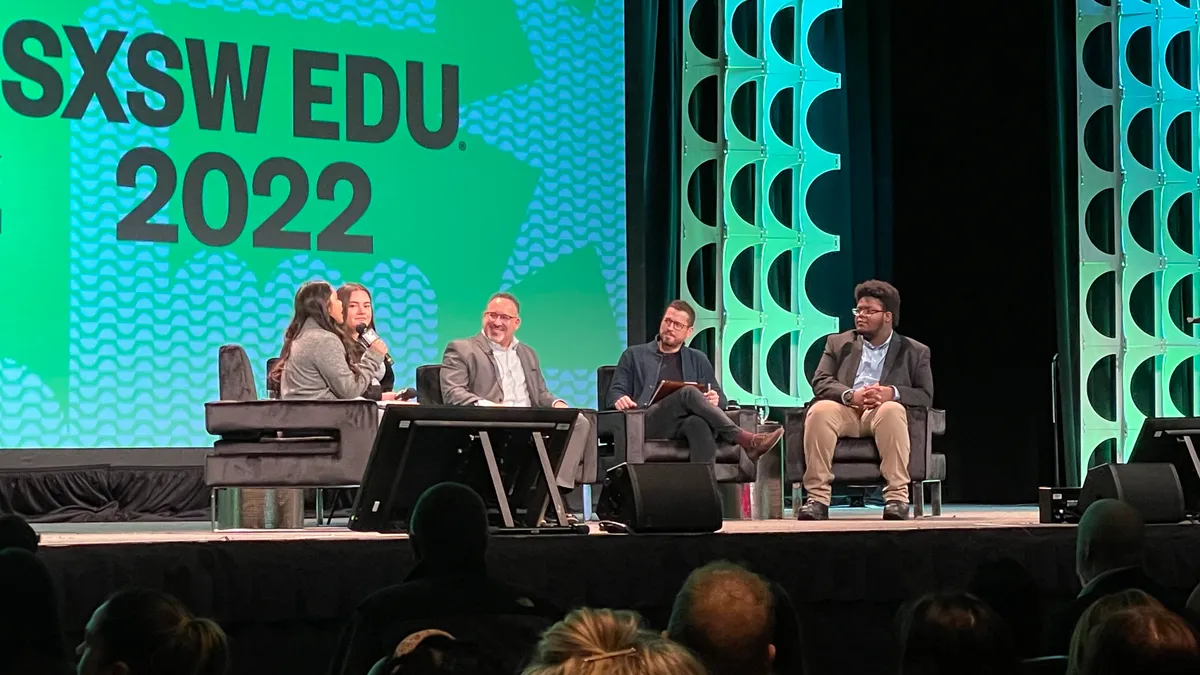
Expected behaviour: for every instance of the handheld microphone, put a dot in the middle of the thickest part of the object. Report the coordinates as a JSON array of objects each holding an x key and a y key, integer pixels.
[{"x": 368, "y": 337}]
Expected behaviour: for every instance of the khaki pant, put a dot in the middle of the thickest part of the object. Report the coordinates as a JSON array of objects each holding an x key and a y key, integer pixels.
[{"x": 829, "y": 420}]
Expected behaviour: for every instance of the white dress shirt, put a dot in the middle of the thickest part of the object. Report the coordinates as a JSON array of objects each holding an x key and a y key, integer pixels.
[{"x": 512, "y": 375}]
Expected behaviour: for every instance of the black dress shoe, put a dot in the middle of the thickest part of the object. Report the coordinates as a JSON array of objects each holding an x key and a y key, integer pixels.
[
  {"x": 895, "y": 511},
  {"x": 813, "y": 510}
]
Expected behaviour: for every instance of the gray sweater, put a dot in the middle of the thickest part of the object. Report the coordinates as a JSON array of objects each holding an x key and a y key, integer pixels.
[{"x": 316, "y": 368}]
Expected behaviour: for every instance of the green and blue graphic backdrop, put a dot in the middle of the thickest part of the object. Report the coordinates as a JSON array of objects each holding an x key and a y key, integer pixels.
[{"x": 172, "y": 170}]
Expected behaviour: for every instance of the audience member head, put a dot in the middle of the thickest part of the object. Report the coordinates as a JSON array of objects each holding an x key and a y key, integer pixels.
[
  {"x": 726, "y": 615},
  {"x": 30, "y": 635},
  {"x": 1109, "y": 537},
  {"x": 1130, "y": 632},
  {"x": 876, "y": 308},
  {"x": 945, "y": 633},
  {"x": 608, "y": 642},
  {"x": 433, "y": 652},
  {"x": 677, "y": 324},
  {"x": 1008, "y": 588},
  {"x": 16, "y": 533},
  {"x": 316, "y": 302},
  {"x": 449, "y": 529},
  {"x": 143, "y": 632},
  {"x": 502, "y": 318}
]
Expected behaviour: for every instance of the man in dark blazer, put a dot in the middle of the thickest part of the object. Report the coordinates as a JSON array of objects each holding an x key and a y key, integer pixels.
[
  {"x": 494, "y": 368},
  {"x": 865, "y": 378},
  {"x": 687, "y": 413}
]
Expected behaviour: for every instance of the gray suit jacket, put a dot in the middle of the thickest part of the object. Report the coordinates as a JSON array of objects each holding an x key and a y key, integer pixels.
[
  {"x": 906, "y": 368},
  {"x": 469, "y": 373}
]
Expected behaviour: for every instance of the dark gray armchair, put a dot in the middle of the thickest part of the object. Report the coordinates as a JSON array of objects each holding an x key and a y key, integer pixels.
[
  {"x": 624, "y": 434},
  {"x": 856, "y": 460},
  {"x": 429, "y": 392},
  {"x": 276, "y": 444}
]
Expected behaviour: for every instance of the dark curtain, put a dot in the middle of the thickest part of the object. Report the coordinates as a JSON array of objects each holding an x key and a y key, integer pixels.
[
  {"x": 970, "y": 119},
  {"x": 1066, "y": 245},
  {"x": 653, "y": 67}
]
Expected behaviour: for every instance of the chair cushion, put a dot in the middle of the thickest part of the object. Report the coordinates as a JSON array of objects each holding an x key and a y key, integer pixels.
[
  {"x": 856, "y": 450},
  {"x": 677, "y": 451},
  {"x": 856, "y": 472},
  {"x": 313, "y": 445}
]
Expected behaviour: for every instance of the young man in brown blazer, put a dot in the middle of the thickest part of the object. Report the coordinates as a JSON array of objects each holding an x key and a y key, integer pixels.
[{"x": 865, "y": 378}]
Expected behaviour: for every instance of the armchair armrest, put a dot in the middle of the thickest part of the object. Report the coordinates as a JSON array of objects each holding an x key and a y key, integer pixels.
[
  {"x": 936, "y": 421},
  {"x": 627, "y": 430}
]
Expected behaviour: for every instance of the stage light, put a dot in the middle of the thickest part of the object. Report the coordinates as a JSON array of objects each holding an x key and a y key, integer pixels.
[{"x": 748, "y": 162}]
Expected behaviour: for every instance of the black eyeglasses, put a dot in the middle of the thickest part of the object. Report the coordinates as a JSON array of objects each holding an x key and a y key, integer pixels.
[{"x": 866, "y": 311}]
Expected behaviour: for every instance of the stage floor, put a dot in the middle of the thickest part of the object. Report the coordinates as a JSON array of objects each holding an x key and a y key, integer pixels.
[{"x": 973, "y": 517}]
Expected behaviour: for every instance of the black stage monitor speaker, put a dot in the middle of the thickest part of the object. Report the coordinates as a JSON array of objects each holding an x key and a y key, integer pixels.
[
  {"x": 1175, "y": 440},
  {"x": 1152, "y": 489},
  {"x": 665, "y": 497}
]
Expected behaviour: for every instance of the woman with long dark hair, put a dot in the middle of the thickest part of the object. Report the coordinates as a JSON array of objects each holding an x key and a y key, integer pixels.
[
  {"x": 360, "y": 311},
  {"x": 316, "y": 361}
]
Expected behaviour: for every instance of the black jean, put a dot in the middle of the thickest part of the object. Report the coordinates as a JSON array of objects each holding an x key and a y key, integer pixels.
[{"x": 687, "y": 415}]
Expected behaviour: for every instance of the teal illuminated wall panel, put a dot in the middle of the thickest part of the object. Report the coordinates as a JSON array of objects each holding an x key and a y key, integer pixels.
[
  {"x": 746, "y": 177},
  {"x": 1138, "y": 107}
]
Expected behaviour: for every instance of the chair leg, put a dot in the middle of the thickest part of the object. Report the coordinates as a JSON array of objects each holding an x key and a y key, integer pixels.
[
  {"x": 935, "y": 488},
  {"x": 916, "y": 492},
  {"x": 320, "y": 504},
  {"x": 212, "y": 508},
  {"x": 587, "y": 502}
]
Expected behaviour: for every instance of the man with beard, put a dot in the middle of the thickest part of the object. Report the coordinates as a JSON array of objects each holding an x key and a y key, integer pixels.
[
  {"x": 865, "y": 378},
  {"x": 687, "y": 413}
]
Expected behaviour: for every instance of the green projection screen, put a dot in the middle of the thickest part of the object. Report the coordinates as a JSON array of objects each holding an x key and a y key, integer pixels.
[{"x": 172, "y": 170}]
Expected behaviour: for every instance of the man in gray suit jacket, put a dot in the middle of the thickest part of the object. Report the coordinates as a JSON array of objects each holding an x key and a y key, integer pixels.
[
  {"x": 493, "y": 368},
  {"x": 865, "y": 378}
]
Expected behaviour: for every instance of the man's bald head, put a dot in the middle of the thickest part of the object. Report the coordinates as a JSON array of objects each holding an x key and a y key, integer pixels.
[
  {"x": 1110, "y": 536},
  {"x": 726, "y": 614}
]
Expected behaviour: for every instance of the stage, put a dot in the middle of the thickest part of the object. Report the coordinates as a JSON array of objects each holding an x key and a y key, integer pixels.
[{"x": 282, "y": 595}]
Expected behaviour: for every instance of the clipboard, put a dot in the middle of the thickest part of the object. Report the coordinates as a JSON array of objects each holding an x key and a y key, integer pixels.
[{"x": 668, "y": 387}]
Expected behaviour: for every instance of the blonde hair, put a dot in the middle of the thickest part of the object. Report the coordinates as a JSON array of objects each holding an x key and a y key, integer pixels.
[{"x": 608, "y": 642}]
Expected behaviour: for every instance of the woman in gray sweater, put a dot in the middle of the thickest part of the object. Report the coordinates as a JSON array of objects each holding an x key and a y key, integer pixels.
[{"x": 315, "y": 362}]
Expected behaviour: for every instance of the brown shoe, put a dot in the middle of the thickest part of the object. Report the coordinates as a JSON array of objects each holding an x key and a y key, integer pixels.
[{"x": 757, "y": 445}]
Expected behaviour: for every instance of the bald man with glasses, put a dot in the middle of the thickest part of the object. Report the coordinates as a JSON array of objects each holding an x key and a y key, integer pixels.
[{"x": 494, "y": 368}]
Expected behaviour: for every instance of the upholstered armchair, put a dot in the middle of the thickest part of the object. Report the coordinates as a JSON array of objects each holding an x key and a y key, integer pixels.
[
  {"x": 624, "y": 434},
  {"x": 856, "y": 460},
  {"x": 429, "y": 392},
  {"x": 283, "y": 444}
]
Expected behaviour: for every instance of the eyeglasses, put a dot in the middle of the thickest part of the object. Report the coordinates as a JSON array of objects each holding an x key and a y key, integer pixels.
[
  {"x": 866, "y": 311},
  {"x": 671, "y": 323},
  {"x": 495, "y": 316}
]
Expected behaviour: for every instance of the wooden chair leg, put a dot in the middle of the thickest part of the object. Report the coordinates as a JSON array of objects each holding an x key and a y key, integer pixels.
[{"x": 936, "y": 489}]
